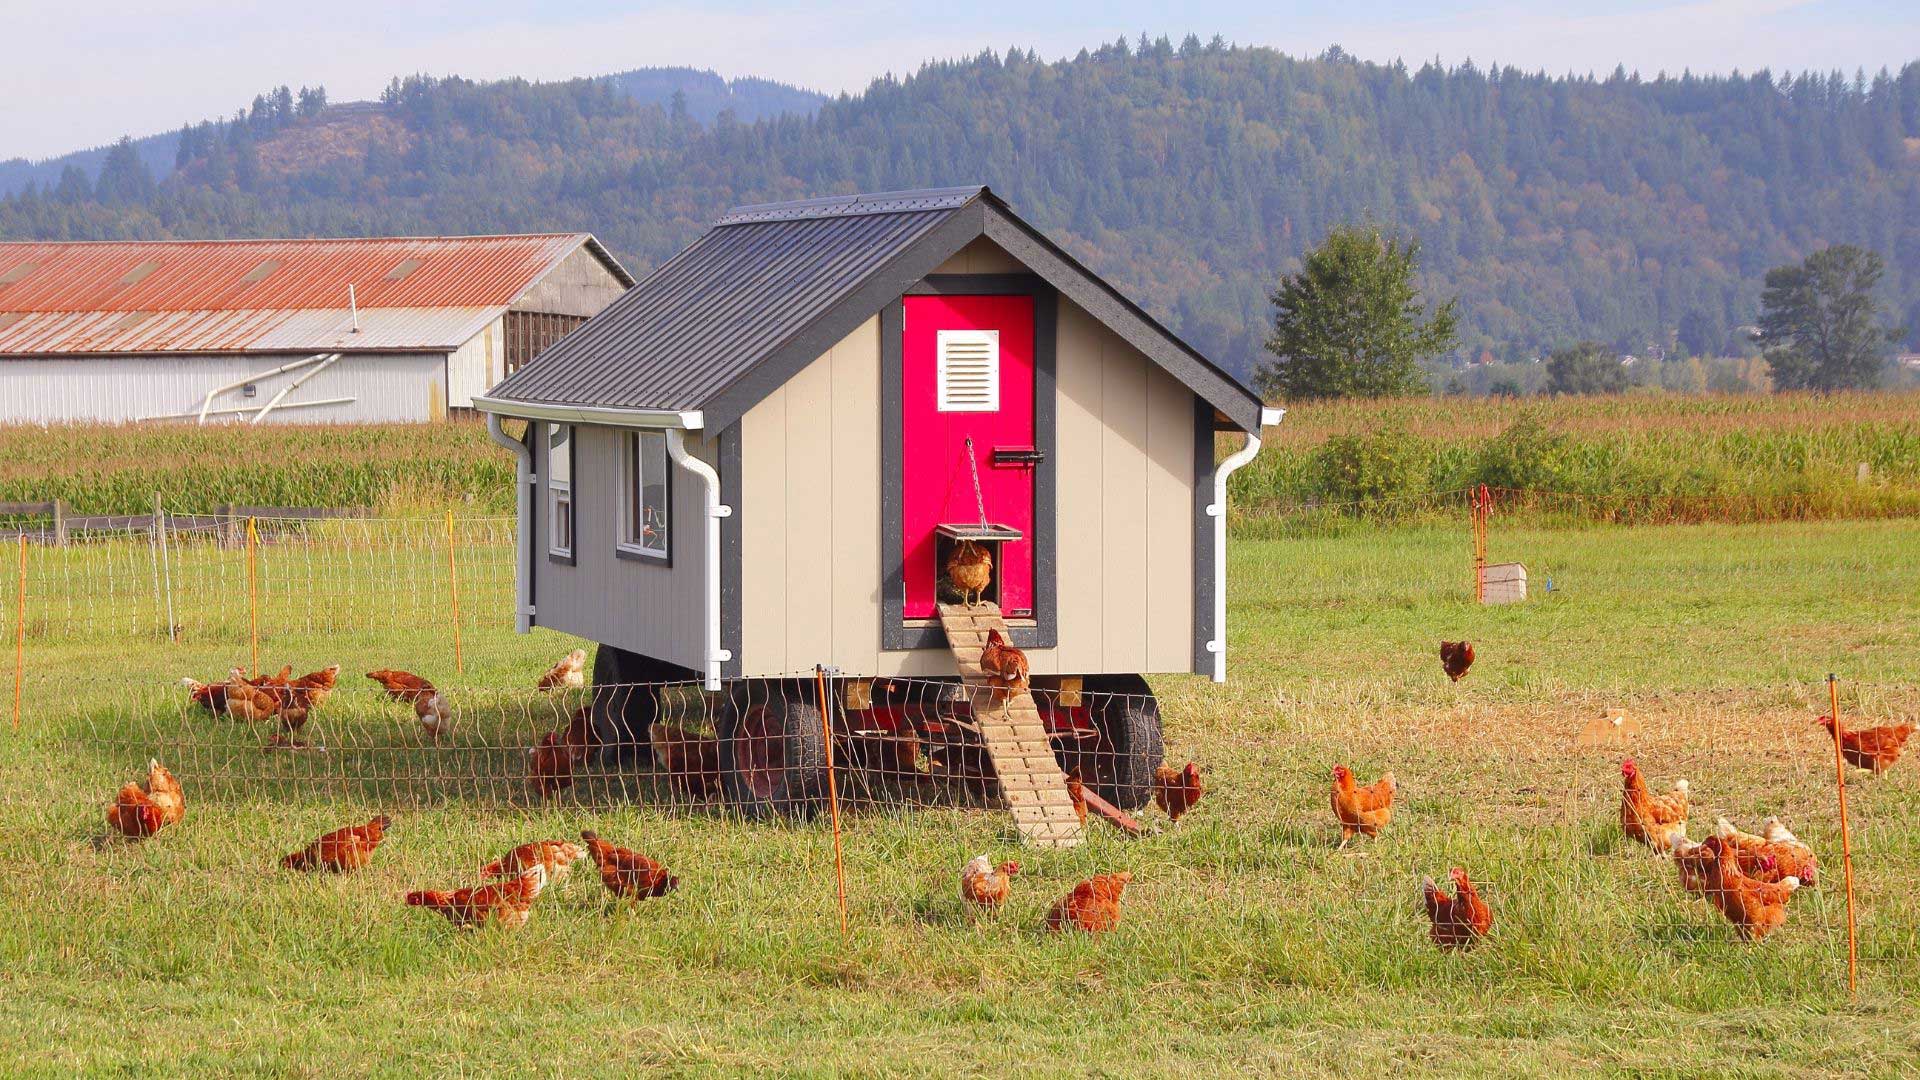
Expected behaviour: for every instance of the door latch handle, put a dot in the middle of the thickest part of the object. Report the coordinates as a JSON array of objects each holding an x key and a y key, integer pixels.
[{"x": 1017, "y": 456}]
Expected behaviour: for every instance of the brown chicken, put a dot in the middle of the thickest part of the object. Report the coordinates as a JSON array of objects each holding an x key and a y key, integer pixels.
[
  {"x": 984, "y": 886},
  {"x": 692, "y": 762},
  {"x": 251, "y": 700},
  {"x": 1077, "y": 793},
  {"x": 1658, "y": 821},
  {"x": 139, "y": 812},
  {"x": 305, "y": 694},
  {"x": 210, "y": 696},
  {"x": 1764, "y": 858},
  {"x": 558, "y": 856},
  {"x": 628, "y": 874},
  {"x": 569, "y": 674},
  {"x": 1755, "y": 908},
  {"x": 970, "y": 571},
  {"x": 503, "y": 903},
  {"x": 1363, "y": 810},
  {"x": 1461, "y": 920},
  {"x": 1873, "y": 749},
  {"x": 1003, "y": 665},
  {"x": 342, "y": 850},
  {"x": 549, "y": 765},
  {"x": 435, "y": 715},
  {"x": 402, "y": 685},
  {"x": 1092, "y": 906},
  {"x": 1455, "y": 658},
  {"x": 1176, "y": 791}
]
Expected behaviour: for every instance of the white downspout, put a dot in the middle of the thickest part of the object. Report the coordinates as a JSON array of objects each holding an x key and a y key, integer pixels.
[
  {"x": 677, "y": 449},
  {"x": 1217, "y": 510},
  {"x": 523, "y": 502}
]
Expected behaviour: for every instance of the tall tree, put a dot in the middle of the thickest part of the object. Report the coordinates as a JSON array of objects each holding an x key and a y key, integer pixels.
[
  {"x": 1587, "y": 368},
  {"x": 1820, "y": 321},
  {"x": 1351, "y": 323},
  {"x": 124, "y": 178}
]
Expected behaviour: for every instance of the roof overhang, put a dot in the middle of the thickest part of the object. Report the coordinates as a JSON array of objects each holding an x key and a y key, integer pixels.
[{"x": 606, "y": 415}]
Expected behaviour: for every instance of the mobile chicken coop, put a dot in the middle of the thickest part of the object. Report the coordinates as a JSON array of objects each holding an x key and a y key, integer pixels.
[{"x": 757, "y": 461}]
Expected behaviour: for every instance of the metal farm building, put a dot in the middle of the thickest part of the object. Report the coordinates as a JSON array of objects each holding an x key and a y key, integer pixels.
[{"x": 390, "y": 329}]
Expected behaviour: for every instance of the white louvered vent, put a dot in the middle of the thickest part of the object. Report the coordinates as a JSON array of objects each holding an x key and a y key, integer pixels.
[{"x": 969, "y": 366}]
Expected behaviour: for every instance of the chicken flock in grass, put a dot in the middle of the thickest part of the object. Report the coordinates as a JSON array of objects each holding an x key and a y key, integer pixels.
[{"x": 262, "y": 698}]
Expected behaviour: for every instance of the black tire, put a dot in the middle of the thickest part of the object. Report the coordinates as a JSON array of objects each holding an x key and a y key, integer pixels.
[
  {"x": 1130, "y": 746},
  {"x": 623, "y": 711},
  {"x": 773, "y": 751}
]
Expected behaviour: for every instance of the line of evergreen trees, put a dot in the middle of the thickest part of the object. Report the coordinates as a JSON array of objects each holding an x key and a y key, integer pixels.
[{"x": 1623, "y": 209}]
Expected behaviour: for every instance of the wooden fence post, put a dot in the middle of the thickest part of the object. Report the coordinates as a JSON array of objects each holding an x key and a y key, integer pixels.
[
  {"x": 60, "y": 522},
  {"x": 1846, "y": 839},
  {"x": 453, "y": 592}
]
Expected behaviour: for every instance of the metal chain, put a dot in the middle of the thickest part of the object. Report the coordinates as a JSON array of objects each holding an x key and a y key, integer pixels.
[{"x": 978, "y": 502}]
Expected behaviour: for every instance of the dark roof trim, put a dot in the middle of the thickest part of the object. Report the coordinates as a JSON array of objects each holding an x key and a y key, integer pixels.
[
  {"x": 885, "y": 202},
  {"x": 1136, "y": 327},
  {"x": 887, "y": 283}
]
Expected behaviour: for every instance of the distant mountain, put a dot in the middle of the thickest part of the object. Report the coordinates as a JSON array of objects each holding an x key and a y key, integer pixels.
[
  {"x": 156, "y": 152},
  {"x": 1628, "y": 210},
  {"x": 707, "y": 95}
]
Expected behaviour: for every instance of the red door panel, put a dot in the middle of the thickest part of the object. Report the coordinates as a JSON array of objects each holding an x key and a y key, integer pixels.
[{"x": 938, "y": 486}]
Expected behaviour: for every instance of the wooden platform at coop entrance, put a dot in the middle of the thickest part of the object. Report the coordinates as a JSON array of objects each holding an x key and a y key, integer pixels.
[{"x": 1015, "y": 736}]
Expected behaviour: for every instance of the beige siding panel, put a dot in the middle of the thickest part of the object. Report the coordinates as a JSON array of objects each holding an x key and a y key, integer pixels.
[
  {"x": 1078, "y": 434},
  {"x": 1123, "y": 487},
  {"x": 856, "y": 499},
  {"x": 811, "y": 474},
  {"x": 763, "y": 532},
  {"x": 1169, "y": 522},
  {"x": 982, "y": 256}
]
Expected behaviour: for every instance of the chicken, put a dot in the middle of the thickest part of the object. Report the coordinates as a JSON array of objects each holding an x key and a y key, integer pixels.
[
  {"x": 985, "y": 887},
  {"x": 1177, "y": 790},
  {"x": 1461, "y": 920},
  {"x": 139, "y": 812},
  {"x": 1092, "y": 906},
  {"x": 1692, "y": 861},
  {"x": 558, "y": 856},
  {"x": 970, "y": 571},
  {"x": 1003, "y": 665},
  {"x": 402, "y": 685},
  {"x": 1874, "y": 749},
  {"x": 1455, "y": 658},
  {"x": 549, "y": 765},
  {"x": 305, "y": 694},
  {"x": 692, "y": 762},
  {"x": 1658, "y": 821},
  {"x": 249, "y": 700},
  {"x": 1363, "y": 810},
  {"x": 579, "y": 738},
  {"x": 1765, "y": 859},
  {"x": 434, "y": 714},
  {"x": 569, "y": 674},
  {"x": 1077, "y": 793},
  {"x": 210, "y": 696},
  {"x": 503, "y": 903},
  {"x": 628, "y": 874},
  {"x": 342, "y": 850},
  {"x": 1755, "y": 908}
]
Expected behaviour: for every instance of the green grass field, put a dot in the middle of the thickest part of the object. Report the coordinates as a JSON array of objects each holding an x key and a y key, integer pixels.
[{"x": 1250, "y": 945}]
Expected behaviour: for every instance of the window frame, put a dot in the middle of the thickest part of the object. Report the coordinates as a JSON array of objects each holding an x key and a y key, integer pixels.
[
  {"x": 633, "y": 448},
  {"x": 563, "y": 491}
]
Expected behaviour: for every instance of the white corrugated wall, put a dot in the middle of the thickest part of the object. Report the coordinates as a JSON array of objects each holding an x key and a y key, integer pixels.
[
  {"x": 476, "y": 366},
  {"x": 385, "y": 387}
]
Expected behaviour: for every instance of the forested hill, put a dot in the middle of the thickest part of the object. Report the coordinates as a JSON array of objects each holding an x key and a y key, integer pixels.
[{"x": 1623, "y": 209}]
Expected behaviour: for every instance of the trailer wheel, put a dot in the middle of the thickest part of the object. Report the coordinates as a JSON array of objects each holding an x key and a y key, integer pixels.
[
  {"x": 1130, "y": 746},
  {"x": 623, "y": 710},
  {"x": 773, "y": 752}
]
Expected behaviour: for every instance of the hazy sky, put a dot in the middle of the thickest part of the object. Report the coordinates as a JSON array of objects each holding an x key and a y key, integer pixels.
[{"x": 80, "y": 76}]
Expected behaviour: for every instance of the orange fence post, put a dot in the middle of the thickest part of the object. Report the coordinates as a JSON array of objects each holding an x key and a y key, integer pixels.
[
  {"x": 453, "y": 591},
  {"x": 833, "y": 794},
  {"x": 253, "y": 593},
  {"x": 20, "y": 633},
  {"x": 1482, "y": 510},
  {"x": 1846, "y": 839}
]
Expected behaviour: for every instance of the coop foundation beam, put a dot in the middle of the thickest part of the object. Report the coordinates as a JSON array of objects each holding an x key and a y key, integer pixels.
[
  {"x": 1217, "y": 510},
  {"x": 716, "y": 510},
  {"x": 523, "y": 506}
]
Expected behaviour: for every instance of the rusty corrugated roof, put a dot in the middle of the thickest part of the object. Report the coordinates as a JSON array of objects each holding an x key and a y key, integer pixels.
[{"x": 253, "y": 295}]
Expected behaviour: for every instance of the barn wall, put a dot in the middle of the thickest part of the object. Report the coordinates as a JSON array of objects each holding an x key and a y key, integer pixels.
[
  {"x": 634, "y": 604},
  {"x": 810, "y": 514},
  {"x": 387, "y": 387},
  {"x": 476, "y": 366},
  {"x": 580, "y": 285}
]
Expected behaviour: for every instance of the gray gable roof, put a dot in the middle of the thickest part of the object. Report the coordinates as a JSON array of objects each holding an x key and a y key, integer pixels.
[{"x": 769, "y": 288}]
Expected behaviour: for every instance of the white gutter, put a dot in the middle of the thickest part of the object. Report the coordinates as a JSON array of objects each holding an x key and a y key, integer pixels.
[
  {"x": 1217, "y": 510},
  {"x": 207, "y": 402},
  {"x": 613, "y": 416},
  {"x": 523, "y": 498},
  {"x": 294, "y": 385},
  {"x": 677, "y": 449}
]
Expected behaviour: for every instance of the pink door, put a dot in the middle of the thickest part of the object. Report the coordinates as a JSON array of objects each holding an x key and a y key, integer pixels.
[{"x": 968, "y": 372}]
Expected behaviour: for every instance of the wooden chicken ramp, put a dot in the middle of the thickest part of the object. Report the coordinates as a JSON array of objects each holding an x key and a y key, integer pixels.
[{"x": 1015, "y": 736}]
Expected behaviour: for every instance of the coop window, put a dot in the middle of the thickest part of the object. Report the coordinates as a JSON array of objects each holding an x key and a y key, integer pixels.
[
  {"x": 969, "y": 370},
  {"x": 645, "y": 492},
  {"x": 560, "y": 489}
]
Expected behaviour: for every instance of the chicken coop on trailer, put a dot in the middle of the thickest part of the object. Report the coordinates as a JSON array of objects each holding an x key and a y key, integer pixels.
[{"x": 765, "y": 457}]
